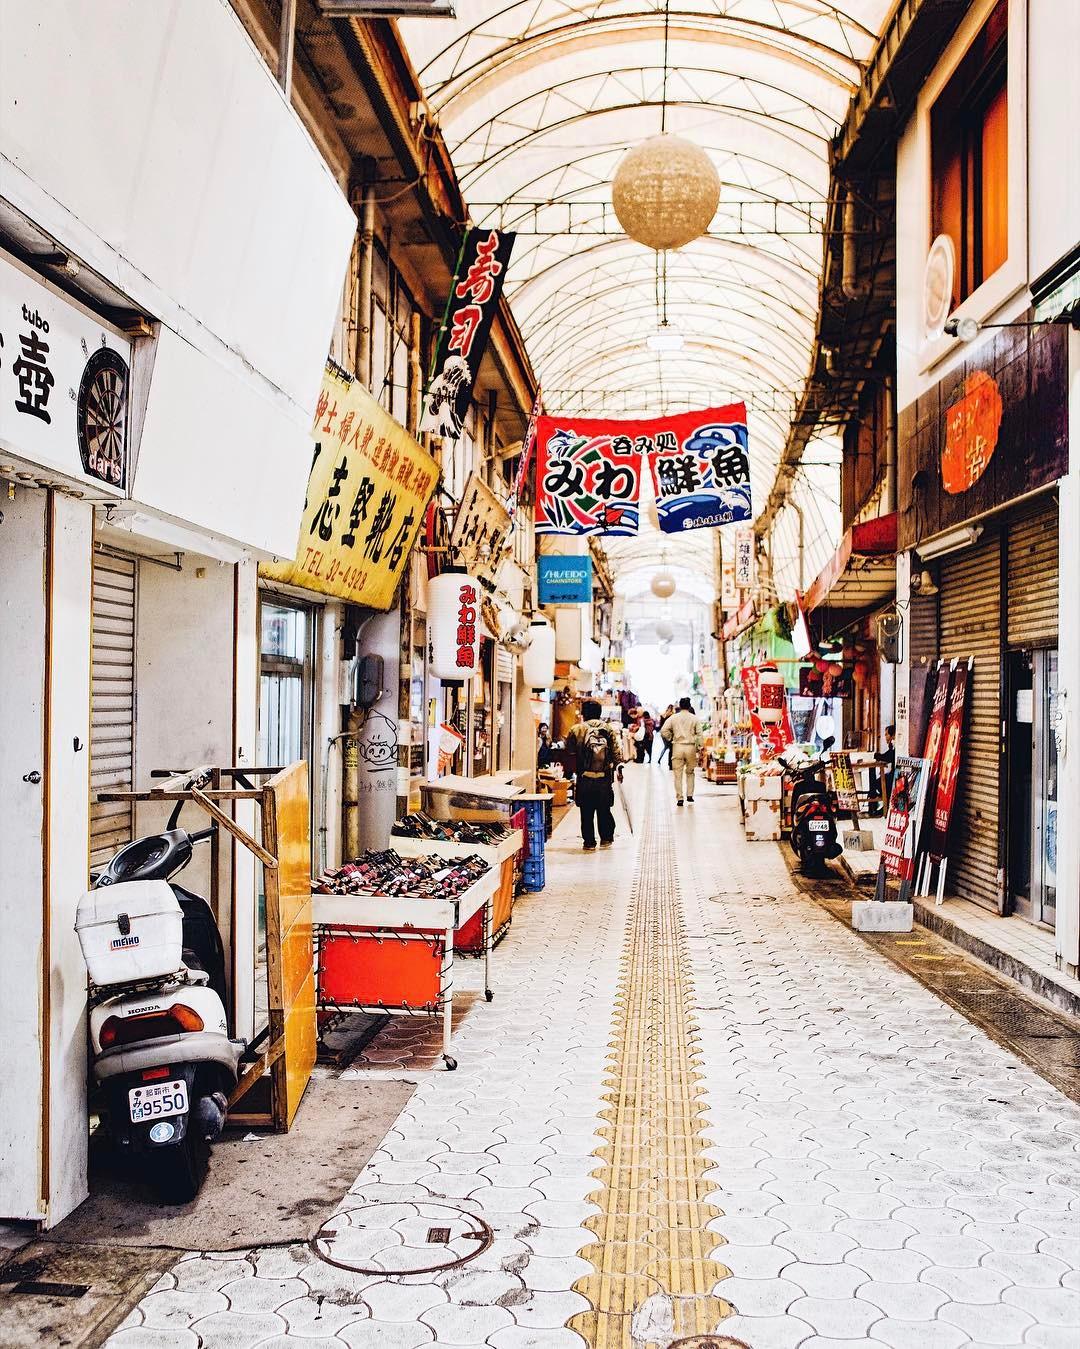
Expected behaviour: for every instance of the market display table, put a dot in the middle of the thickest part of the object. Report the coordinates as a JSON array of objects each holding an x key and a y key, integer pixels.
[
  {"x": 499, "y": 856},
  {"x": 395, "y": 955}
]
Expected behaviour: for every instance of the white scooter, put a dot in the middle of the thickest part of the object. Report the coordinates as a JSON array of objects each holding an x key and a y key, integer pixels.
[{"x": 162, "y": 1053}]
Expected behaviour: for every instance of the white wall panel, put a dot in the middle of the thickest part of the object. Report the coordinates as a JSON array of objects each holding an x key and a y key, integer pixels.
[{"x": 209, "y": 203}]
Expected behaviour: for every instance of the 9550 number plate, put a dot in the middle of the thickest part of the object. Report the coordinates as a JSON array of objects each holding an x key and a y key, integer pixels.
[{"x": 157, "y": 1100}]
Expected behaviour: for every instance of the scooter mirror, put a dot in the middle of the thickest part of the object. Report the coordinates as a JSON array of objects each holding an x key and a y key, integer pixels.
[{"x": 828, "y": 742}]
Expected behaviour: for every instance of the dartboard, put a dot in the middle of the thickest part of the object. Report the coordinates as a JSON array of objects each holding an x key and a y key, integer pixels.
[{"x": 101, "y": 416}]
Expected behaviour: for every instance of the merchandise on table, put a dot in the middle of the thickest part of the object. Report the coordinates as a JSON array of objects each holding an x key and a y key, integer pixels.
[
  {"x": 421, "y": 825},
  {"x": 389, "y": 874}
]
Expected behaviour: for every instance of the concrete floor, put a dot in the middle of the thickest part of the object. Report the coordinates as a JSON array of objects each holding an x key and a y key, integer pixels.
[{"x": 698, "y": 1106}]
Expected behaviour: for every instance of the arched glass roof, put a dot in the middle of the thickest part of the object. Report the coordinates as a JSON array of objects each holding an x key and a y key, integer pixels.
[{"x": 539, "y": 100}]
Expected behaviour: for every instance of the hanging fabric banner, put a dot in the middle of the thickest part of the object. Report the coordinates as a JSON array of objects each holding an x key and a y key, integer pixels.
[
  {"x": 527, "y": 447},
  {"x": 700, "y": 468},
  {"x": 945, "y": 796},
  {"x": 772, "y": 737},
  {"x": 474, "y": 298},
  {"x": 588, "y": 476}
]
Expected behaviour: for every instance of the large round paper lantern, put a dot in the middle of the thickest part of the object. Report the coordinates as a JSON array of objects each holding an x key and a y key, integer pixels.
[
  {"x": 771, "y": 694},
  {"x": 538, "y": 660},
  {"x": 665, "y": 192},
  {"x": 454, "y": 632},
  {"x": 665, "y": 631},
  {"x": 663, "y": 585}
]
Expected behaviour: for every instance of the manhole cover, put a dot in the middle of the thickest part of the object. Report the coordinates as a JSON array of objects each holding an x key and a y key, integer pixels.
[
  {"x": 401, "y": 1238},
  {"x": 709, "y": 1342},
  {"x": 727, "y": 897}
]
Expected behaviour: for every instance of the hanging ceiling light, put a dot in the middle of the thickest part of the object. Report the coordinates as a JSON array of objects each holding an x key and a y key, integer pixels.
[
  {"x": 666, "y": 190},
  {"x": 665, "y": 339},
  {"x": 663, "y": 585},
  {"x": 665, "y": 631}
]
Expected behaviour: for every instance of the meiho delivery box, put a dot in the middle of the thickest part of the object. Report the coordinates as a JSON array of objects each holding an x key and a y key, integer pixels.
[{"x": 130, "y": 931}]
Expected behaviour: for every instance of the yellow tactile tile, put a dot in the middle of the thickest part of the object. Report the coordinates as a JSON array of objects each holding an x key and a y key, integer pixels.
[{"x": 653, "y": 1266}]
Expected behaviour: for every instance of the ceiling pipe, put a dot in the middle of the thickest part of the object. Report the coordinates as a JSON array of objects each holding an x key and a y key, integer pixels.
[{"x": 853, "y": 288}]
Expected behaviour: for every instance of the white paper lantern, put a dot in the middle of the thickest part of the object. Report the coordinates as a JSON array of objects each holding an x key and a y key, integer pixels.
[
  {"x": 454, "y": 629},
  {"x": 665, "y": 192},
  {"x": 538, "y": 662},
  {"x": 663, "y": 585},
  {"x": 665, "y": 631},
  {"x": 771, "y": 696}
]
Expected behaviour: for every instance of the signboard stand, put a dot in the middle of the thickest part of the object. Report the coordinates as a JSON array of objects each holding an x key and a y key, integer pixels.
[{"x": 902, "y": 830}]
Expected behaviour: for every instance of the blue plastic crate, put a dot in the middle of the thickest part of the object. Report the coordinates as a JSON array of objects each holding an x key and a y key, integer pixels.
[{"x": 533, "y": 875}]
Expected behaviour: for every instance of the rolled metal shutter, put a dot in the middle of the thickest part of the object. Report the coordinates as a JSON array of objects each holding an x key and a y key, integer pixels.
[
  {"x": 970, "y": 618},
  {"x": 1032, "y": 600},
  {"x": 112, "y": 702}
]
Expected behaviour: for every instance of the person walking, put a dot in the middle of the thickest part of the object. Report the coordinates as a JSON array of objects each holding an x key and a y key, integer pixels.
[
  {"x": 597, "y": 760},
  {"x": 665, "y": 747},
  {"x": 682, "y": 734}
]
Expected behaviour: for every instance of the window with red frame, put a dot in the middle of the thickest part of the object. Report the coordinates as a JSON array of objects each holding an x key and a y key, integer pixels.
[{"x": 970, "y": 157}]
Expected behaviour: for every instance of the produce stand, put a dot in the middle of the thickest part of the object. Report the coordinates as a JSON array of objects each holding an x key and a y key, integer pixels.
[
  {"x": 394, "y": 955},
  {"x": 499, "y": 856}
]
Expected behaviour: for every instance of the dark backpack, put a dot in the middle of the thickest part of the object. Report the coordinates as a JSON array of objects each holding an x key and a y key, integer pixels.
[{"x": 596, "y": 754}]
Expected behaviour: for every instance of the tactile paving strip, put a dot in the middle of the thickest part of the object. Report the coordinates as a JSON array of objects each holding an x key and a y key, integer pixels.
[{"x": 654, "y": 1271}]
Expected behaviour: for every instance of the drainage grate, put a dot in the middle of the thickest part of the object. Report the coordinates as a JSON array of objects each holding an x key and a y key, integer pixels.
[
  {"x": 396, "y": 1239},
  {"x": 38, "y": 1289}
]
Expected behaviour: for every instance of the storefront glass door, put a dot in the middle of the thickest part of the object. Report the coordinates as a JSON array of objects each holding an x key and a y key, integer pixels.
[
  {"x": 1032, "y": 803},
  {"x": 286, "y": 705}
]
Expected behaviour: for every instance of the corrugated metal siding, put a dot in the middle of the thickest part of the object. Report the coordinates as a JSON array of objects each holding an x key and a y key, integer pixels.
[
  {"x": 112, "y": 702},
  {"x": 970, "y": 609},
  {"x": 1032, "y": 600}
]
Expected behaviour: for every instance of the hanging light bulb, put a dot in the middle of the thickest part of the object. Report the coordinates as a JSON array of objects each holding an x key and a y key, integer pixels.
[
  {"x": 663, "y": 585},
  {"x": 664, "y": 630}
]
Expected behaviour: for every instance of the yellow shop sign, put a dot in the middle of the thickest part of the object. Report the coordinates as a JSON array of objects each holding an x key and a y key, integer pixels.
[{"x": 369, "y": 487}]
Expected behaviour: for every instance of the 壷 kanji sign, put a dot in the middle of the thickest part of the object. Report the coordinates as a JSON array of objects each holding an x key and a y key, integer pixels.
[
  {"x": 369, "y": 487},
  {"x": 474, "y": 298}
]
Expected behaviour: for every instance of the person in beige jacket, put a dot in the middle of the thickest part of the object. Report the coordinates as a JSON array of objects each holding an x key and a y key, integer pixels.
[{"x": 683, "y": 734}]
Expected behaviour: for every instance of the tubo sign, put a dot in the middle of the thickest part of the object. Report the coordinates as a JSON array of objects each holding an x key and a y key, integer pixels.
[
  {"x": 369, "y": 487},
  {"x": 564, "y": 580},
  {"x": 64, "y": 385}
]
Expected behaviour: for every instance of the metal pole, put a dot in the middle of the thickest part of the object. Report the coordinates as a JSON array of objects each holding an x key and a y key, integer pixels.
[
  {"x": 286, "y": 46},
  {"x": 363, "y": 289}
]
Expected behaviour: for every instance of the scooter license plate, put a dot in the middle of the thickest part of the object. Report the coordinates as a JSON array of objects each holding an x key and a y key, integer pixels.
[
  {"x": 819, "y": 826},
  {"x": 157, "y": 1099}
]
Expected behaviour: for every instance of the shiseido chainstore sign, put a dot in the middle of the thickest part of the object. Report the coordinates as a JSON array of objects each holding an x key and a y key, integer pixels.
[{"x": 64, "y": 388}]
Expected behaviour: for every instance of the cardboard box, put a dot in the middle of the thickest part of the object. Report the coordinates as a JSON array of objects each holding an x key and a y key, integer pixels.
[
  {"x": 762, "y": 821},
  {"x": 763, "y": 787},
  {"x": 882, "y": 915}
]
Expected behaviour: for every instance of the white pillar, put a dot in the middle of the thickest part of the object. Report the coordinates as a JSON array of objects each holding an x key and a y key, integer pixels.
[{"x": 1068, "y": 862}]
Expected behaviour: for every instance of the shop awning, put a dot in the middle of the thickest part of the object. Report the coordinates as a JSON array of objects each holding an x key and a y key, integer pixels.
[
  {"x": 745, "y": 618},
  {"x": 861, "y": 574}
]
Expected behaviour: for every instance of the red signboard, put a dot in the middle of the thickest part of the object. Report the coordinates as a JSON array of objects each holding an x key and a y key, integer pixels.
[
  {"x": 772, "y": 738},
  {"x": 972, "y": 424},
  {"x": 945, "y": 796},
  {"x": 905, "y": 817}
]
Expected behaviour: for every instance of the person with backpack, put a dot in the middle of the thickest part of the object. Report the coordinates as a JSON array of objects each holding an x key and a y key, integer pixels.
[
  {"x": 683, "y": 734},
  {"x": 597, "y": 760}
]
